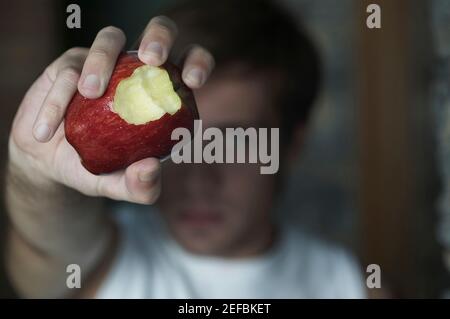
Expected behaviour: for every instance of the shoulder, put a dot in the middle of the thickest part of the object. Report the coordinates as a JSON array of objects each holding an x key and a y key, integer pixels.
[{"x": 330, "y": 270}]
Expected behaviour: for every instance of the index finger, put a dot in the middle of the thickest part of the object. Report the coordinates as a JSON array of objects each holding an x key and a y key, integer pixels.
[
  {"x": 64, "y": 75},
  {"x": 100, "y": 62}
]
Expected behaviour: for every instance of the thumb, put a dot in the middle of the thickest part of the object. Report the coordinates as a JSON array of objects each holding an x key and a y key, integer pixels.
[{"x": 139, "y": 183}]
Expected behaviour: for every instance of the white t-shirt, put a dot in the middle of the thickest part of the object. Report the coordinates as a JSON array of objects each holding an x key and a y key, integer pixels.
[{"x": 150, "y": 264}]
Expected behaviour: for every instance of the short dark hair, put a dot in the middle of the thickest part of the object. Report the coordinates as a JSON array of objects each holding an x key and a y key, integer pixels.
[{"x": 260, "y": 34}]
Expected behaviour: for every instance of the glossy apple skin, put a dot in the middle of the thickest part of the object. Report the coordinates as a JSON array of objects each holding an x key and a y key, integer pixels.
[{"x": 105, "y": 142}]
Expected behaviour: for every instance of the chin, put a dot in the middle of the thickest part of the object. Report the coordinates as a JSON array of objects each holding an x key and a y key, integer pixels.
[
  {"x": 199, "y": 241},
  {"x": 199, "y": 248}
]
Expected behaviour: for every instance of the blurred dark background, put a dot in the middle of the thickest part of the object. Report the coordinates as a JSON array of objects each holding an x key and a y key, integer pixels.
[{"x": 367, "y": 177}]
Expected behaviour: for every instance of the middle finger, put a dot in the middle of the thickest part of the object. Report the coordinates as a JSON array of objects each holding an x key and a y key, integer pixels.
[{"x": 157, "y": 41}]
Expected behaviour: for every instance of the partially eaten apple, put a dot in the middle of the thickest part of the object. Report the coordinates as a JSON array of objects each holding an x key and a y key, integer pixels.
[{"x": 134, "y": 118}]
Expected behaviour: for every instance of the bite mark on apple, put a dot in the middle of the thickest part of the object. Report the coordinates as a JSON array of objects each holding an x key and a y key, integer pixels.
[{"x": 147, "y": 95}]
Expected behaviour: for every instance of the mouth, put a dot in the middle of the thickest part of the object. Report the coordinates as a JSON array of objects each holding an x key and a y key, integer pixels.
[{"x": 200, "y": 218}]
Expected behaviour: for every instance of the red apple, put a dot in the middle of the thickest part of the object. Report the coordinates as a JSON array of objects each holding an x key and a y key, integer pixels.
[{"x": 133, "y": 119}]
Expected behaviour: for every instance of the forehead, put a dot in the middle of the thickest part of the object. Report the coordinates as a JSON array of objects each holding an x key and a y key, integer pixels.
[{"x": 237, "y": 97}]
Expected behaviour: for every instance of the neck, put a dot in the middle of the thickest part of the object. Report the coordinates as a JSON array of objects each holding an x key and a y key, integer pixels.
[{"x": 253, "y": 243}]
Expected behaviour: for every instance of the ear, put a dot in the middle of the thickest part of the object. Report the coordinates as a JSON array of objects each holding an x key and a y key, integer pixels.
[{"x": 294, "y": 148}]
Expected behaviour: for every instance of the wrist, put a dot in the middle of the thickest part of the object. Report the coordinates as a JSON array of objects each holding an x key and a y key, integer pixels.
[{"x": 20, "y": 166}]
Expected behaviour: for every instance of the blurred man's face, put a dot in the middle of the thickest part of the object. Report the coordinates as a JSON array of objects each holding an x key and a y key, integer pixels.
[{"x": 224, "y": 209}]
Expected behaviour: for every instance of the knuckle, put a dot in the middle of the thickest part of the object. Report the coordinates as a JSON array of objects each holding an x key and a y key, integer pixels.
[
  {"x": 102, "y": 190},
  {"x": 50, "y": 73},
  {"x": 75, "y": 51},
  {"x": 98, "y": 187},
  {"x": 163, "y": 27},
  {"x": 159, "y": 35},
  {"x": 112, "y": 30},
  {"x": 70, "y": 75},
  {"x": 112, "y": 34},
  {"x": 52, "y": 110},
  {"x": 165, "y": 22},
  {"x": 99, "y": 53},
  {"x": 20, "y": 140}
]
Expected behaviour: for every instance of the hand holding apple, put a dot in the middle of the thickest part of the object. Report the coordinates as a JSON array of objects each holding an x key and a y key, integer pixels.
[
  {"x": 133, "y": 119},
  {"x": 38, "y": 145}
]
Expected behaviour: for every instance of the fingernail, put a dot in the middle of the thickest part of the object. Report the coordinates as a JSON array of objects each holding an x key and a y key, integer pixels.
[
  {"x": 91, "y": 82},
  {"x": 154, "y": 51},
  {"x": 195, "y": 77},
  {"x": 42, "y": 132},
  {"x": 147, "y": 176}
]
